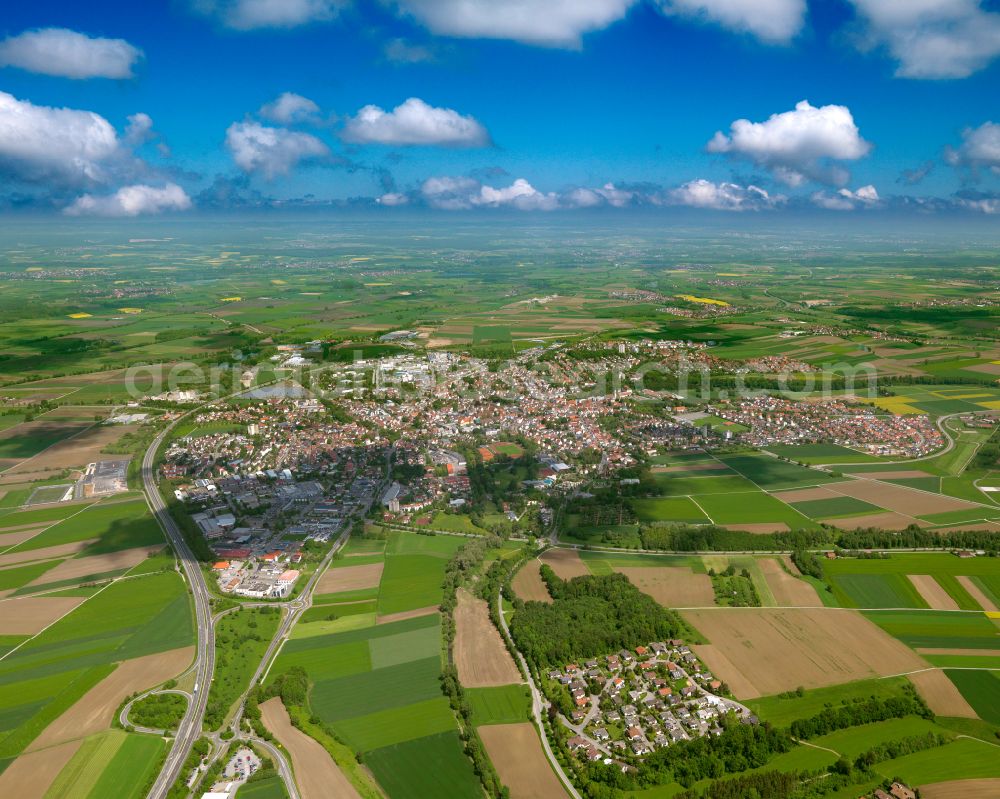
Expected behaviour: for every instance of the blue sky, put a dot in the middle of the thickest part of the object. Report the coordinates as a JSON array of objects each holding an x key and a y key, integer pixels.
[{"x": 846, "y": 105}]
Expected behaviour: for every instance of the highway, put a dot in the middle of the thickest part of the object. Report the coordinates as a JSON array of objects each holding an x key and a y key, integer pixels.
[{"x": 204, "y": 665}]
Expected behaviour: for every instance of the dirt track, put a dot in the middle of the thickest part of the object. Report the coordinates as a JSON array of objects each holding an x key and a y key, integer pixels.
[
  {"x": 316, "y": 775},
  {"x": 517, "y": 755},
  {"x": 764, "y": 651},
  {"x": 481, "y": 658},
  {"x": 672, "y": 586},
  {"x": 96, "y": 709}
]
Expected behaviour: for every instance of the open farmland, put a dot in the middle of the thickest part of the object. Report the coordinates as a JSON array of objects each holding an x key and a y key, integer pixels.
[
  {"x": 671, "y": 586},
  {"x": 932, "y": 593},
  {"x": 480, "y": 655},
  {"x": 517, "y": 755},
  {"x": 316, "y": 775},
  {"x": 565, "y": 563},
  {"x": 528, "y": 583},
  {"x": 788, "y": 591},
  {"x": 761, "y": 651},
  {"x": 941, "y": 695}
]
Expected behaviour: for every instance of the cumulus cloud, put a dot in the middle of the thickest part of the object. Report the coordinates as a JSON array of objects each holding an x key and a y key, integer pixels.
[
  {"x": 415, "y": 123},
  {"x": 931, "y": 38},
  {"x": 608, "y": 194},
  {"x": 722, "y": 196},
  {"x": 462, "y": 193},
  {"x": 847, "y": 200},
  {"x": 253, "y": 14},
  {"x": 550, "y": 23},
  {"x": 979, "y": 203},
  {"x": 43, "y": 144},
  {"x": 400, "y": 51},
  {"x": 798, "y": 145},
  {"x": 911, "y": 177},
  {"x": 271, "y": 151},
  {"x": 772, "y": 21},
  {"x": 68, "y": 54},
  {"x": 290, "y": 109},
  {"x": 132, "y": 201},
  {"x": 980, "y": 149},
  {"x": 393, "y": 198}
]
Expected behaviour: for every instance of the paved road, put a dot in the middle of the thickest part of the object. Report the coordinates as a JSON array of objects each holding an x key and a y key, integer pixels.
[{"x": 190, "y": 727}]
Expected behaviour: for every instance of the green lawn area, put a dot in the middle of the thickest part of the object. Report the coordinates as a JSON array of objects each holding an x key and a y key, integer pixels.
[
  {"x": 981, "y": 689},
  {"x": 268, "y": 788},
  {"x": 504, "y": 704},
  {"x": 783, "y": 710}
]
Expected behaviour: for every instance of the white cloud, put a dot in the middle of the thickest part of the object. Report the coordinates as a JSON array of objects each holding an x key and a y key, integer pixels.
[
  {"x": 797, "y": 145},
  {"x": 271, "y": 151},
  {"x": 551, "y": 23},
  {"x": 608, "y": 194},
  {"x": 43, "y": 144},
  {"x": 68, "y": 54},
  {"x": 980, "y": 149},
  {"x": 773, "y": 21},
  {"x": 400, "y": 51},
  {"x": 252, "y": 14},
  {"x": 463, "y": 193},
  {"x": 847, "y": 200},
  {"x": 392, "y": 199},
  {"x": 415, "y": 123},
  {"x": 132, "y": 201},
  {"x": 139, "y": 129},
  {"x": 983, "y": 205},
  {"x": 931, "y": 38},
  {"x": 289, "y": 109},
  {"x": 722, "y": 196}
]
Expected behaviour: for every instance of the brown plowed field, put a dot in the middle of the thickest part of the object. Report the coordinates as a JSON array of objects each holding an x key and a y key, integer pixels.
[
  {"x": 764, "y": 651},
  {"x": 481, "y": 658},
  {"x": 350, "y": 578},
  {"x": 316, "y": 775},
  {"x": 899, "y": 498},
  {"x": 671, "y": 586},
  {"x": 805, "y": 494},
  {"x": 517, "y": 754},
  {"x": 45, "y": 553},
  {"x": 941, "y": 695},
  {"x": 528, "y": 583},
  {"x": 406, "y": 614},
  {"x": 977, "y": 594},
  {"x": 565, "y": 563},
  {"x": 96, "y": 564},
  {"x": 96, "y": 709},
  {"x": 886, "y": 521},
  {"x": 788, "y": 591},
  {"x": 27, "y": 615},
  {"x": 962, "y": 789},
  {"x": 79, "y": 449},
  {"x": 932, "y": 592},
  {"x": 30, "y": 776}
]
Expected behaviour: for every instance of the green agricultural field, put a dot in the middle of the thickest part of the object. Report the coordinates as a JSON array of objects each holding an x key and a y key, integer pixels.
[
  {"x": 336, "y": 611},
  {"x": 268, "y": 788},
  {"x": 821, "y": 453},
  {"x": 981, "y": 689},
  {"x": 414, "y": 570},
  {"x": 377, "y": 690},
  {"x": 668, "y": 486},
  {"x": 504, "y": 704},
  {"x": 876, "y": 591},
  {"x": 962, "y": 759},
  {"x": 835, "y": 507},
  {"x": 398, "y": 724},
  {"x": 937, "y": 629},
  {"x": 402, "y": 769},
  {"x": 751, "y": 508},
  {"x": 80, "y": 775},
  {"x": 131, "y": 769},
  {"x": 37, "y": 436},
  {"x": 116, "y": 526},
  {"x": 673, "y": 509},
  {"x": 772, "y": 474}
]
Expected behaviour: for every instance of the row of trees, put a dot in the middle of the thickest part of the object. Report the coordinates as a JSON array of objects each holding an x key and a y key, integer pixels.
[{"x": 862, "y": 711}]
